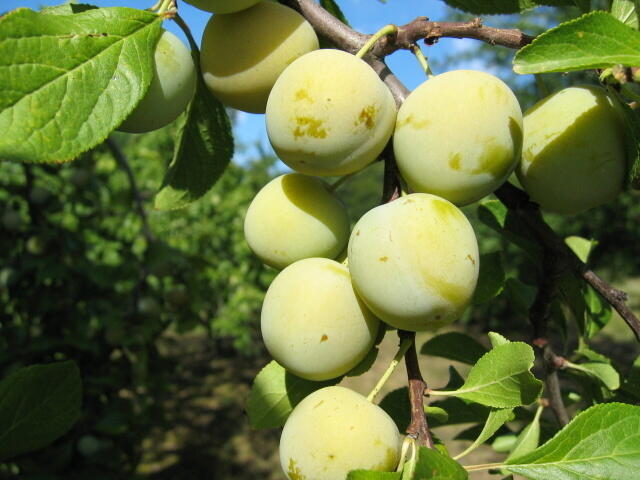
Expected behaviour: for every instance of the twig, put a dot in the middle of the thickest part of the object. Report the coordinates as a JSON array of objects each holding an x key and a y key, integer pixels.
[
  {"x": 540, "y": 315},
  {"x": 138, "y": 201},
  {"x": 419, "y": 29},
  {"x": 418, "y": 428},
  {"x": 519, "y": 204}
]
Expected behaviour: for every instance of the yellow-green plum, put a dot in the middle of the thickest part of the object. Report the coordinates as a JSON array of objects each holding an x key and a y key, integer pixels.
[
  {"x": 293, "y": 217},
  {"x": 573, "y": 156},
  {"x": 329, "y": 114},
  {"x": 171, "y": 90},
  {"x": 458, "y": 136},
  {"x": 414, "y": 261},
  {"x": 312, "y": 321},
  {"x": 243, "y": 53},
  {"x": 222, "y": 6},
  {"x": 335, "y": 430}
]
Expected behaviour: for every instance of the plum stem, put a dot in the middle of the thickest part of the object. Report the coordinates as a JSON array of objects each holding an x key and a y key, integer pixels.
[
  {"x": 383, "y": 32},
  {"x": 402, "y": 349},
  {"x": 422, "y": 60},
  {"x": 418, "y": 428}
]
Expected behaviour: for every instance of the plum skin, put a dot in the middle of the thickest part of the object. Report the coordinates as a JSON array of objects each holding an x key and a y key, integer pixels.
[
  {"x": 574, "y": 154},
  {"x": 293, "y": 217},
  {"x": 222, "y": 6},
  {"x": 243, "y": 53},
  {"x": 458, "y": 136},
  {"x": 312, "y": 321},
  {"x": 329, "y": 114},
  {"x": 335, "y": 430},
  {"x": 414, "y": 262},
  {"x": 171, "y": 89}
]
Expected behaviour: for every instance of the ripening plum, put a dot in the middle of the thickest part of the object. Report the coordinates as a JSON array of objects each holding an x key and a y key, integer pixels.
[
  {"x": 172, "y": 87},
  {"x": 293, "y": 217},
  {"x": 458, "y": 136},
  {"x": 574, "y": 155},
  {"x": 313, "y": 323},
  {"x": 335, "y": 430},
  {"x": 414, "y": 261},
  {"x": 222, "y": 6},
  {"x": 329, "y": 114},
  {"x": 243, "y": 53}
]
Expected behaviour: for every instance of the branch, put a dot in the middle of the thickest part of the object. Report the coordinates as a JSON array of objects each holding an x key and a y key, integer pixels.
[
  {"x": 519, "y": 204},
  {"x": 418, "y": 428},
  {"x": 121, "y": 160},
  {"x": 421, "y": 28},
  {"x": 540, "y": 315}
]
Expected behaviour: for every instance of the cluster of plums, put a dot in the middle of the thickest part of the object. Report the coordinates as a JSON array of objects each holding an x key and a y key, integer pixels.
[{"x": 412, "y": 263}]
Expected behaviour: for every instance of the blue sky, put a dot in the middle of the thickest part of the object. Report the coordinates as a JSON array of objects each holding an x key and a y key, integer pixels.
[{"x": 364, "y": 15}]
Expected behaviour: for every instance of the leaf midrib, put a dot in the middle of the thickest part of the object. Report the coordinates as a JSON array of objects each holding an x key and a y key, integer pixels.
[
  {"x": 82, "y": 64},
  {"x": 577, "y": 460}
]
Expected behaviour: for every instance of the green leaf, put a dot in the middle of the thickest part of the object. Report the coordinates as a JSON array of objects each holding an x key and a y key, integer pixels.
[
  {"x": 598, "y": 312},
  {"x": 632, "y": 124},
  {"x": 455, "y": 379},
  {"x": 365, "y": 364},
  {"x": 595, "y": 40},
  {"x": 459, "y": 411},
  {"x": 496, "y": 419},
  {"x": 436, "y": 414},
  {"x": 521, "y": 295},
  {"x": 529, "y": 439},
  {"x": 490, "y": 7},
  {"x": 601, "y": 443},
  {"x": 497, "y": 339},
  {"x": 67, "y": 81},
  {"x": 334, "y": 9},
  {"x": 435, "y": 465},
  {"x": 631, "y": 384},
  {"x": 38, "y": 404},
  {"x": 371, "y": 475},
  {"x": 274, "y": 394},
  {"x": 501, "y": 378},
  {"x": 627, "y": 12},
  {"x": 67, "y": 9},
  {"x": 603, "y": 372},
  {"x": 582, "y": 247},
  {"x": 504, "y": 443},
  {"x": 454, "y": 346},
  {"x": 495, "y": 215},
  {"x": 491, "y": 279},
  {"x": 397, "y": 406},
  {"x": 203, "y": 150}
]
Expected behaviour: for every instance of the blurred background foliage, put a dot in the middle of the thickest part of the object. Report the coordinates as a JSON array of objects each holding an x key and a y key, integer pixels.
[{"x": 161, "y": 310}]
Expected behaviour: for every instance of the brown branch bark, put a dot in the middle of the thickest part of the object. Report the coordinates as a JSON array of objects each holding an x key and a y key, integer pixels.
[
  {"x": 518, "y": 202},
  {"x": 418, "y": 428},
  {"x": 420, "y": 28},
  {"x": 540, "y": 313}
]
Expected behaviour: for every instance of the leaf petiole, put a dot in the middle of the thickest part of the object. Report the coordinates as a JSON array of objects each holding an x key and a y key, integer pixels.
[
  {"x": 402, "y": 349},
  {"x": 384, "y": 31}
]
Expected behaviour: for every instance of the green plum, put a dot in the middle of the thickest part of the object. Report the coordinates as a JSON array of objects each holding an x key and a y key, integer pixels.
[
  {"x": 335, "y": 430},
  {"x": 458, "y": 136},
  {"x": 574, "y": 155},
  {"x": 222, "y": 6},
  {"x": 244, "y": 53},
  {"x": 312, "y": 321},
  {"x": 294, "y": 217},
  {"x": 414, "y": 261},
  {"x": 171, "y": 90},
  {"x": 329, "y": 114}
]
